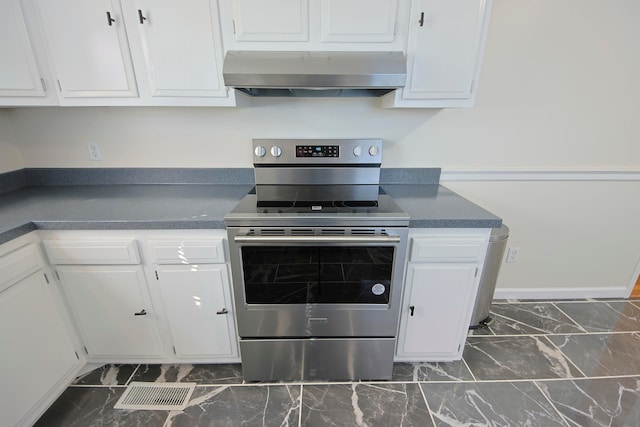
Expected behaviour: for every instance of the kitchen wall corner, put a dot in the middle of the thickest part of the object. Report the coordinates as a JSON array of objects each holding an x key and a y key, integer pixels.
[{"x": 10, "y": 157}]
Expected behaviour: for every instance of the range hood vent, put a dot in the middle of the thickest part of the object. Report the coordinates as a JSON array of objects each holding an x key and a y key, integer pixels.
[{"x": 314, "y": 74}]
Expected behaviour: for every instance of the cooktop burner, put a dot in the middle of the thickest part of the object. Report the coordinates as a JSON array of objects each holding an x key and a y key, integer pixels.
[
  {"x": 383, "y": 212},
  {"x": 313, "y": 204},
  {"x": 318, "y": 205}
]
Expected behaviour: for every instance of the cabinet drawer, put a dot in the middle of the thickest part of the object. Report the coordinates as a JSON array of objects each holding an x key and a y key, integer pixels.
[
  {"x": 19, "y": 264},
  {"x": 191, "y": 251},
  {"x": 446, "y": 249},
  {"x": 120, "y": 251}
]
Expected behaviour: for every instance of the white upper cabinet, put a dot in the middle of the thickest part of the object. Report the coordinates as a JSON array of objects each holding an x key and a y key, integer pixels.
[
  {"x": 23, "y": 79},
  {"x": 170, "y": 53},
  {"x": 271, "y": 20},
  {"x": 358, "y": 20},
  {"x": 88, "y": 48},
  {"x": 313, "y": 24},
  {"x": 444, "y": 53},
  {"x": 138, "y": 52},
  {"x": 180, "y": 46},
  {"x": 19, "y": 75}
]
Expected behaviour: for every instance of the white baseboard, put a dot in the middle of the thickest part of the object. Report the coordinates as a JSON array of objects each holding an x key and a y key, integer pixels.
[
  {"x": 561, "y": 293},
  {"x": 89, "y": 367}
]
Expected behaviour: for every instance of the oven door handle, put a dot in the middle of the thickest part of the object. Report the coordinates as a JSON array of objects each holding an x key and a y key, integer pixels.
[{"x": 317, "y": 239}]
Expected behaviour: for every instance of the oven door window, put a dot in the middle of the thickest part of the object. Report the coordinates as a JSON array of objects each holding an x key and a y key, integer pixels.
[{"x": 319, "y": 275}]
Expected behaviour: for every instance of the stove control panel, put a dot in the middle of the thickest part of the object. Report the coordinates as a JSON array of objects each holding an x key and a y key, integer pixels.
[{"x": 317, "y": 151}]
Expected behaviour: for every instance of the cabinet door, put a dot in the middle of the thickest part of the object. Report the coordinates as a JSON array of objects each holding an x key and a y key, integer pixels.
[
  {"x": 112, "y": 309},
  {"x": 37, "y": 351},
  {"x": 197, "y": 303},
  {"x": 358, "y": 20},
  {"x": 88, "y": 47},
  {"x": 444, "y": 44},
  {"x": 436, "y": 312},
  {"x": 271, "y": 20},
  {"x": 181, "y": 46},
  {"x": 19, "y": 75}
]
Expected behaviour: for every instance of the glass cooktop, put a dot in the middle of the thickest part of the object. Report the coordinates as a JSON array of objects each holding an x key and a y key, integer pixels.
[{"x": 381, "y": 212}]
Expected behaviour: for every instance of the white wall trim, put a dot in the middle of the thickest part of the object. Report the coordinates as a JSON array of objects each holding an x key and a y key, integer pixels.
[
  {"x": 540, "y": 175},
  {"x": 561, "y": 293}
]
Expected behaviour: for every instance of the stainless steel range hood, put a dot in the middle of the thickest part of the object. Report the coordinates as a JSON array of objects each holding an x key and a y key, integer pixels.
[{"x": 314, "y": 74}]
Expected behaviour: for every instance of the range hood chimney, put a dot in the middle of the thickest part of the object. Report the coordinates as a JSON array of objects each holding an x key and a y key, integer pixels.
[{"x": 314, "y": 74}]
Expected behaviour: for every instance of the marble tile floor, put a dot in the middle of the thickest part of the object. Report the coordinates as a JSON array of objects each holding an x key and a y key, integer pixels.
[{"x": 553, "y": 363}]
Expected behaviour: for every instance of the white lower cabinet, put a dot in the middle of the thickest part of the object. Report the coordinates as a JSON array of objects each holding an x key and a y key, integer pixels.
[
  {"x": 439, "y": 293},
  {"x": 121, "y": 303},
  {"x": 112, "y": 310},
  {"x": 436, "y": 307},
  {"x": 37, "y": 345},
  {"x": 147, "y": 296},
  {"x": 199, "y": 311},
  {"x": 190, "y": 277}
]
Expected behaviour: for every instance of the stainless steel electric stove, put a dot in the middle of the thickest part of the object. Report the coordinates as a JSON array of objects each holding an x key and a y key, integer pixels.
[{"x": 317, "y": 253}]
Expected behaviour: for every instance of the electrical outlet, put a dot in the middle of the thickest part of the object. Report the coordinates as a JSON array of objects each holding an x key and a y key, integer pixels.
[
  {"x": 512, "y": 255},
  {"x": 94, "y": 151}
]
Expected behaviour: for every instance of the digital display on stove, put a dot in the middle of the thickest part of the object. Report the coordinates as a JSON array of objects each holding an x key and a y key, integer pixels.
[{"x": 317, "y": 151}]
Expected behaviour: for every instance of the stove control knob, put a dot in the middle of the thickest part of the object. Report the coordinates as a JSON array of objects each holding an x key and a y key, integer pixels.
[
  {"x": 260, "y": 151},
  {"x": 357, "y": 151},
  {"x": 276, "y": 151},
  {"x": 374, "y": 150}
]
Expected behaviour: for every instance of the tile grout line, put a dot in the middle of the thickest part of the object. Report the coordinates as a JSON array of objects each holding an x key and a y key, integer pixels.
[
  {"x": 555, "y": 334},
  {"x": 300, "y": 406},
  {"x": 569, "y": 317},
  {"x": 383, "y": 382},
  {"x": 469, "y": 368},
  {"x": 433, "y": 421},
  {"x": 132, "y": 374},
  {"x": 97, "y": 386},
  {"x": 579, "y": 301},
  {"x": 166, "y": 421},
  {"x": 519, "y": 380},
  {"x": 562, "y": 417},
  {"x": 542, "y": 331}
]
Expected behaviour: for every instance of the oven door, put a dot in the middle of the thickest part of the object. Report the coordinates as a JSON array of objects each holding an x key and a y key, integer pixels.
[{"x": 323, "y": 283}]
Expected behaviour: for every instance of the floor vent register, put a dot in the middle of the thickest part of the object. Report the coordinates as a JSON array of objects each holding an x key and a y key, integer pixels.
[{"x": 154, "y": 396}]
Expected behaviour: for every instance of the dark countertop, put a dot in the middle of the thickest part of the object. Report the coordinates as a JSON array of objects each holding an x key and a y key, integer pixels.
[
  {"x": 116, "y": 207},
  {"x": 435, "y": 206},
  {"x": 194, "y": 206}
]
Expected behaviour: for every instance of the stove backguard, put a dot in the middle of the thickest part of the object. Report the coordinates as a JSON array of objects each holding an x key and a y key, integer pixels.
[{"x": 289, "y": 171}]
